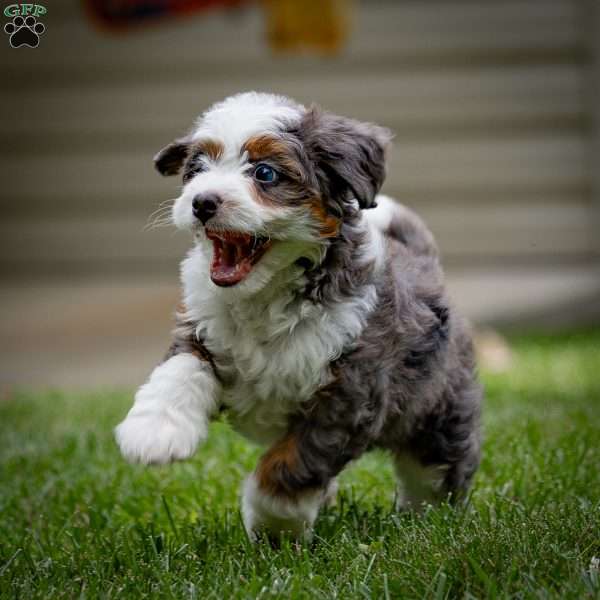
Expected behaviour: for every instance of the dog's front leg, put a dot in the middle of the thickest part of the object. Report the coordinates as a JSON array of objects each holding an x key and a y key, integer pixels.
[
  {"x": 171, "y": 412},
  {"x": 294, "y": 479}
]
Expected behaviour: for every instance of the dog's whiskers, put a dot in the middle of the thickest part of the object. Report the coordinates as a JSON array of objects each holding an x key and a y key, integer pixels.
[{"x": 161, "y": 217}]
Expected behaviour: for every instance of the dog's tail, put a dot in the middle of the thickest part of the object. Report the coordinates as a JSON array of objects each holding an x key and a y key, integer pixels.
[{"x": 403, "y": 225}]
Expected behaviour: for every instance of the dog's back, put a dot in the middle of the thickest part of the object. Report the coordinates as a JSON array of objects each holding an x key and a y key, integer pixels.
[
  {"x": 412, "y": 250},
  {"x": 403, "y": 225}
]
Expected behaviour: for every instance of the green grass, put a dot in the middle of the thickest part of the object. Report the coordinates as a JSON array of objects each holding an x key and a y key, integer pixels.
[{"x": 76, "y": 521}]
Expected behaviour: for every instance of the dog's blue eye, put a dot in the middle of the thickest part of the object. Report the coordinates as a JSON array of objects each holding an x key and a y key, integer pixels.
[{"x": 265, "y": 173}]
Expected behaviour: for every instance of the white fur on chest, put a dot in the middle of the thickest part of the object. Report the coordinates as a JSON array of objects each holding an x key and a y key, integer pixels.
[{"x": 273, "y": 348}]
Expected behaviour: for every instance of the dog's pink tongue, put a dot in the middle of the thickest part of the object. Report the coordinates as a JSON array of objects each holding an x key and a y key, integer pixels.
[{"x": 231, "y": 262}]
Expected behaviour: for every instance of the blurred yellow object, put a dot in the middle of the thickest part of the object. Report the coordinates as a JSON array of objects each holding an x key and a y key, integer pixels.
[
  {"x": 321, "y": 25},
  {"x": 493, "y": 351}
]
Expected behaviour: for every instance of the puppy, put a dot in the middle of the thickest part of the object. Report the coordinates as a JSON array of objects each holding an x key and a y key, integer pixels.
[{"x": 313, "y": 312}]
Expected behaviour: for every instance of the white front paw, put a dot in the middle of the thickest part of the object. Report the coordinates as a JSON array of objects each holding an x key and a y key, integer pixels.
[
  {"x": 262, "y": 513},
  {"x": 157, "y": 438},
  {"x": 171, "y": 412}
]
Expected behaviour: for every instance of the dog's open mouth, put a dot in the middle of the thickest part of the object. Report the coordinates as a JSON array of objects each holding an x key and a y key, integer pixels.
[{"x": 234, "y": 255}]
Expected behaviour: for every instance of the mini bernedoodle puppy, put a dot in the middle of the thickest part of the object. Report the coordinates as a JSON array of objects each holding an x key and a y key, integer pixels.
[{"x": 313, "y": 313}]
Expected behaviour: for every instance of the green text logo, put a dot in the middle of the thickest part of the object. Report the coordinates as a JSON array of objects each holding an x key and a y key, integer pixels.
[{"x": 22, "y": 10}]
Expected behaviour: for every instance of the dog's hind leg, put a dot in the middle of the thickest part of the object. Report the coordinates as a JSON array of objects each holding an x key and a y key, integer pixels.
[
  {"x": 418, "y": 485},
  {"x": 438, "y": 464},
  {"x": 421, "y": 483},
  {"x": 438, "y": 461}
]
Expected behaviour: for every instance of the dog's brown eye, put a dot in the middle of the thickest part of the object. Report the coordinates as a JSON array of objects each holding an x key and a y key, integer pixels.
[
  {"x": 193, "y": 167},
  {"x": 265, "y": 174}
]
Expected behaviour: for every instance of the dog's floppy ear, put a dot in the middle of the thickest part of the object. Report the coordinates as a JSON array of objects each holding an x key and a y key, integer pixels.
[
  {"x": 349, "y": 154},
  {"x": 171, "y": 158}
]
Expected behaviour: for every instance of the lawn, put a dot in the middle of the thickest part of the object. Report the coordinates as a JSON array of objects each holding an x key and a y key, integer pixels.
[{"x": 77, "y": 522}]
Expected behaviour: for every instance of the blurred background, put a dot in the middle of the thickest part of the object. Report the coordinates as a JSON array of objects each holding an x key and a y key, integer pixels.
[{"x": 495, "y": 107}]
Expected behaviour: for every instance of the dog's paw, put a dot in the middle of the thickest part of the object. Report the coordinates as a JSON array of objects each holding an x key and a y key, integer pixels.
[
  {"x": 170, "y": 415},
  {"x": 157, "y": 438},
  {"x": 270, "y": 516}
]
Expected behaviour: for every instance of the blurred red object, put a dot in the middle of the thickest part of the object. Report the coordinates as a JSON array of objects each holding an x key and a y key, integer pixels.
[{"x": 121, "y": 14}]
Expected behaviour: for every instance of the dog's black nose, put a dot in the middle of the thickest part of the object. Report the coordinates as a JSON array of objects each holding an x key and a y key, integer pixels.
[{"x": 205, "y": 206}]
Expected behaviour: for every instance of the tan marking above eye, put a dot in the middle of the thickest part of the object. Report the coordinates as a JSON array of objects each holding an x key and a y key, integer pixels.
[
  {"x": 211, "y": 148},
  {"x": 263, "y": 146}
]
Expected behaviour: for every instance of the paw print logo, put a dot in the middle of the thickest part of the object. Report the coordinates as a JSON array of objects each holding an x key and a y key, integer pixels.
[{"x": 24, "y": 32}]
